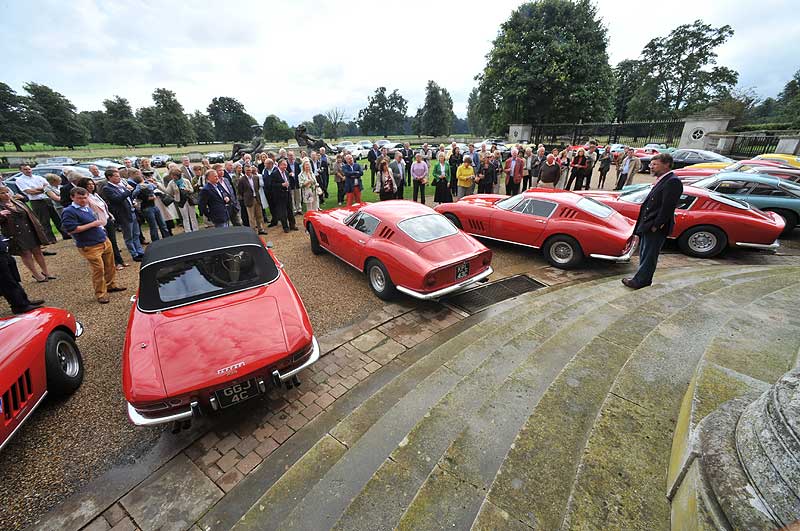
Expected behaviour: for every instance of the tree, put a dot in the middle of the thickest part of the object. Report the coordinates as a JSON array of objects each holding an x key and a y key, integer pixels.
[
  {"x": 383, "y": 114},
  {"x": 173, "y": 125},
  {"x": 628, "y": 76},
  {"x": 681, "y": 72},
  {"x": 95, "y": 123},
  {"x": 276, "y": 130},
  {"x": 21, "y": 121},
  {"x": 336, "y": 122},
  {"x": 121, "y": 125},
  {"x": 320, "y": 122},
  {"x": 437, "y": 112},
  {"x": 547, "y": 64},
  {"x": 60, "y": 114},
  {"x": 474, "y": 117},
  {"x": 738, "y": 103},
  {"x": 416, "y": 123},
  {"x": 203, "y": 127},
  {"x": 789, "y": 100},
  {"x": 231, "y": 121}
]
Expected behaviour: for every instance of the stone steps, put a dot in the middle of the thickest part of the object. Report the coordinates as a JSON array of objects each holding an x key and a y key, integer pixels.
[
  {"x": 625, "y": 489},
  {"x": 531, "y": 385}
]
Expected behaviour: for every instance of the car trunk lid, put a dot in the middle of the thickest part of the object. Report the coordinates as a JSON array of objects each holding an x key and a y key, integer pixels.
[{"x": 199, "y": 349}]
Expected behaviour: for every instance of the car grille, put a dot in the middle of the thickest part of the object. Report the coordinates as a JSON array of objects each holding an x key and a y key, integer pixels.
[{"x": 16, "y": 396}]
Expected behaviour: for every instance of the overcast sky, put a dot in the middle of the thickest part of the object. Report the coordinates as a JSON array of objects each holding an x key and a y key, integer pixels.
[{"x": 302, "y": 57}]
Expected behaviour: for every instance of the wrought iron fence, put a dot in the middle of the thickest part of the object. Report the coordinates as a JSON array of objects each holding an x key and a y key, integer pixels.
[
  {"x": 750, "y": 146},
  {"x": 634, "y": 134}
]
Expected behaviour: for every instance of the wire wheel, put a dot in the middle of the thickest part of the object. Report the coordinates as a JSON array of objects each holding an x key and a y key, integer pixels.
[{"x": 562, "y": 252}]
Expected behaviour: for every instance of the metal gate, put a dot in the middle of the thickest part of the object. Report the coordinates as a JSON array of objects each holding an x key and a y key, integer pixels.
[
  {"x": 750, "y": 146},
  {"x": 635, "y": 134}
]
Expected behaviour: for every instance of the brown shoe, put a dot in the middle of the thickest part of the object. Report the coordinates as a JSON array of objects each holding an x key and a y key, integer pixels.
[
  {"x": 115, "y": 289},
  {"x": 103, "y": 300}
]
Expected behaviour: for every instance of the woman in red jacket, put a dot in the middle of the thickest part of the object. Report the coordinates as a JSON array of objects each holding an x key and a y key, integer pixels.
[{"x": 579, "y": 166}]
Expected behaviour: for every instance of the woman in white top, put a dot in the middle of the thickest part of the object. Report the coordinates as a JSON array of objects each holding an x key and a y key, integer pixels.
[
  {"x": 309, "y": 186},
  {"x": 178, "y": 183}
]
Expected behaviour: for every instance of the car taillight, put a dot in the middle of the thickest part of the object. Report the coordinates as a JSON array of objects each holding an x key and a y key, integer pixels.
[
  {"x": 430, "y": 279},
  {"x": 487, "y": 259}
]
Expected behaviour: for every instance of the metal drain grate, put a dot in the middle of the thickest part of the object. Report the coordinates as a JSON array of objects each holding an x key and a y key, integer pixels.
[{"x": 480, "y": 298}]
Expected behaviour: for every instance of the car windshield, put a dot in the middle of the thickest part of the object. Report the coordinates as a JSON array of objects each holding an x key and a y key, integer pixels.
[
  {"x": 791, "y": 187},
  {"x": 509, "y": 202},
  {"x": 635, "y": 196},
  {"x": 710, "y": 155},
  {"x": 427, "y": 228},
  {"x": 188, "y": 279},
  {"x": 731, "y": 201},
  {"x": 594, "y": 208}
]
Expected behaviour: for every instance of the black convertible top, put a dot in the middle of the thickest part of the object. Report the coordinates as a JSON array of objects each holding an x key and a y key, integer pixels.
[{"x": 199, "y": 242}]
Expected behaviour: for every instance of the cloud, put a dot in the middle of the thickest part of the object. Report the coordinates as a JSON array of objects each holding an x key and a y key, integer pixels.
[{"x": 296, "y": 59}]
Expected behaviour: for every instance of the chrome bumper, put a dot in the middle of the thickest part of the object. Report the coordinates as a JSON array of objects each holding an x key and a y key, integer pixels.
[
  {"x": 774, "y": 246},
  {"x": 448, "y": 290},
  {"x": 312, "y": 359},
  {"x": 140, "y": 420},
  {"x": 624, "y": 258}
]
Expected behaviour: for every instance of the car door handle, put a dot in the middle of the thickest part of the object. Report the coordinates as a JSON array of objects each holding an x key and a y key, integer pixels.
[
  {"x": 540, "y": 221},
  {"x": 362, "y": 242}
]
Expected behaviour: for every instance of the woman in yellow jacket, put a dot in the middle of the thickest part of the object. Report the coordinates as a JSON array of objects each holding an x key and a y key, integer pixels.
[
  {"x": 465, "y": 175},
  {"x": 441, "y": 172}
]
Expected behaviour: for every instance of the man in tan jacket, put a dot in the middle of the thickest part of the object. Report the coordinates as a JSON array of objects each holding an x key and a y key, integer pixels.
[{"x": 627, "y": 167}]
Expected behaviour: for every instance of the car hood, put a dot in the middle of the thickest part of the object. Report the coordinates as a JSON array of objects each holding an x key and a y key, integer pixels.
[{"x": 193, "y": 349}]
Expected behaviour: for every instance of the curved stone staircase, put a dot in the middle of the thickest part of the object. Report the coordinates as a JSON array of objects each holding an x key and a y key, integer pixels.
[{"x": 555, "y": 410}]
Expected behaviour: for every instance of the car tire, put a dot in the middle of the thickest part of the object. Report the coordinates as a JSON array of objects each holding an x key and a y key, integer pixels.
[
  {"x": 790, "y": 218},
  {"x": 703, "y": 241},
  {"x": 453, "y": 219},
  {"x": 563, "y": 252},
  {"x": 379, "y": 280},
  {"x": 316, "y": 248},
  {"x": 63, "y": 363}
]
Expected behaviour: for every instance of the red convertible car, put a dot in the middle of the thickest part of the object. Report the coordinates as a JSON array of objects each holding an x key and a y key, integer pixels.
[
  {"x": 38, "y": 355},
  {"x": 216, "y": 322},
  {"x": 401, "y": 246},
  {"x": 706, "y": 223},
  {"x": 566, "y": 226}
]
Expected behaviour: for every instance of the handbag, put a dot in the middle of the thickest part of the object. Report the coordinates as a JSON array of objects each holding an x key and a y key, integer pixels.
[
  {"x": 166, "y": 199},
  {"x": 193, "y": 200}
]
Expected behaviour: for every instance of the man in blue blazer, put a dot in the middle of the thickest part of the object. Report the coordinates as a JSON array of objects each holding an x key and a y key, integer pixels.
[
  {"x": 214, "y": 200},
  {"x": 656, "y": 219},
  {"x": 117, "y": 194}
]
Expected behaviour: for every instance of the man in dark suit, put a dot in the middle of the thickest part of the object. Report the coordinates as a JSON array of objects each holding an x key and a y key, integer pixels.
[
  {"x": 372, "y": 157},
  {"x": 656, "y": 219},
  {"x": 249, "y": 190},
  {"x": 293, "y": 173},
  {"x": 215, "y": 200},
  {"x": 266, "y": 182},
  {"x": 117, "y": 195},
  {"x": 324, "y": 172},
  {"x": 408, "y": 158},
  {"x": 234, "y": 208},
  {"x": 282, "y": 197},
  {"x": 11, "y": 283}
]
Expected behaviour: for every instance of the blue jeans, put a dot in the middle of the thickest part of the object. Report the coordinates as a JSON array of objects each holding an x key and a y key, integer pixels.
[
  {"x": 156, "y": 222},
  {"x": 130, "y": 233},
  {"x": 650, "y": 245}
]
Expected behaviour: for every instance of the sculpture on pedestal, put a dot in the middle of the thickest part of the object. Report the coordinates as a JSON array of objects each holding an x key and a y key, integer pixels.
[
  {"x": 256, "y": 145},
  {"x": 306, "y": 140}
]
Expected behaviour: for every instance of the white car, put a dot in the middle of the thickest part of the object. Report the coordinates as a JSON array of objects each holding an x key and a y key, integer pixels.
[
  {"x": 359, "y": 152},
  {"x": 366, "y": 144}
]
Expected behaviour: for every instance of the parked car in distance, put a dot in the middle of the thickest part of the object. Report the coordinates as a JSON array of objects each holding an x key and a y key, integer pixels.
[
  {"x": 159, "y": 161},
  {"x": 61, "y": 161},
  {"x": 698, "y": 172},
  {"x": 215, "y": 157},
  {"x": 706, "y": 223},
  {"x": 393, "y": 147},
  {"x": 567, "y": 227},
  {"x": 400, "y": 246},
  {"x": 358, "y": 151},
  {"x": 792, "y": 160},
  {"x": 216, "y": 322},
  {"x": 764, "y": 192},
  {"x": 44, "y": 169},
  {"x": 383, "y": 142},
  {"x": 687, "y": 157},
  {"x": 102, "y": 164},
  {"x": 366, "y": 144},
  {"x": 39, "y": 356},
  {"x": 341, "y": 146}
]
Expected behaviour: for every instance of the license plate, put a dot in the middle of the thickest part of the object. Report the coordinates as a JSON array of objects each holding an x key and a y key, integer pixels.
[
  {"x": 237, "y": 393},
  {"x": 462, "y": 270}
]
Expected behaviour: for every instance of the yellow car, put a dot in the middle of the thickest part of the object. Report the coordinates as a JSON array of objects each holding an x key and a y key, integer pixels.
[
  {"x": 793, "y": 160},
  {"x": 710, "y": 165}
]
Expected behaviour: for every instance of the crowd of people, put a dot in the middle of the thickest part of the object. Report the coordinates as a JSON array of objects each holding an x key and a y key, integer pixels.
[{"x": 261, "y": 193}]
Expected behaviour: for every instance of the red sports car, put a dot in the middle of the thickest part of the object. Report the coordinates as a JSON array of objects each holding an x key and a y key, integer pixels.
[
  {"x": 690, "y": 174},
  {"x": 566, "y": 226},
  {"x": 401, "y": 246},
  {"x": 216, "y": 322},
  {"x": 38, "y": 355},
  {"x": 706, "y": 223}
]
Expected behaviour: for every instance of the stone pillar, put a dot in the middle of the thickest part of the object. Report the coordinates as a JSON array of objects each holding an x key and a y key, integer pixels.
[
  {"x": 696, "y": 129},
  {"x": 519, "y": 133},
  {"x": 789, "y": 145}
]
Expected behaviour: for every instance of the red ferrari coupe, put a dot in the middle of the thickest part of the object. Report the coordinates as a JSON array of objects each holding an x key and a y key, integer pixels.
[
  {"x": 401, "y": 246},
  {"x": 38, "y": 355},
  {"x": 216, "y": 322},
  {"x": 706, "y": 223},
  {"x": 566, "y": 226}
]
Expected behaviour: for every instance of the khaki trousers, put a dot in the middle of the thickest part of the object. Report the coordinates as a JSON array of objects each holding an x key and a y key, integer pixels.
[
  {"x": 255, "y": 214},
  {"x": 101, "y": 261}
]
